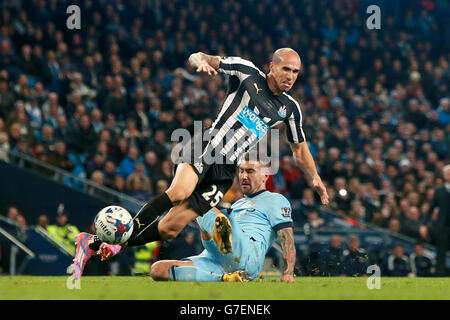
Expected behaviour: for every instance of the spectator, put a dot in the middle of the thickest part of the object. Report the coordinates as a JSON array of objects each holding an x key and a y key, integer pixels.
[
  {"x": 290, "y": 172},
  {"x": 139, "y": 173},
  {"x": 7, "y": 98},
  {"x": 136, "y": 189},
  {"x": 331, "y": 261},
  {"x": 47, "y": 138},
  {"x": 116, "y": 104},
  {"x": 51, "y": 107},
  {"x": 59, "y": 158},
  {"x": 13, "y": 214},
  {"x": 42, "y": 221},
  {"x": 421, "y": 266},
  {"x": 411, "y": 225},
  {"x": 95, "y": 189},
  {"x": 308, "y": 202},
  {"x": 119, "y": 184},
  {"x": 4, "y": 146},
  {"x": 394, "y": 225},
  {"x": 128, "y": 164},
  {"x": 109, "y": 174},
  {"x": 356, "y": 259},
  {"x": 438, "y": 221},
  {"x": 144, "y": 256},
  {"x": 158, "y": 146},
  {"x": 22, "y": 228},
  {"x": 167, "y": 171},
  {"x": 83, "y": 136},
  {"x": 95, "y": 163},
  {"x": 310, "y": 265},
  {"x": 62, "y": 131},
  {"x": 314, "y": 221},
  {"x": 97, "y": 123},
  {"x": 63, "y": 232},
  {"x": 34, "y": 113},
  {"x": 397, "y": 264}
]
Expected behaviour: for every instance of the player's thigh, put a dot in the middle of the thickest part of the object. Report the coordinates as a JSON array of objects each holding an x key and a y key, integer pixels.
[
  {"x": 211, "y": 189},
  {"x": 240, "y": 240},
  {"x": 161, "y": 270},
  {"x": 175, "y": 220},
  {"x": 206, "y": 261},
  {"x": 183, "y": 183}
]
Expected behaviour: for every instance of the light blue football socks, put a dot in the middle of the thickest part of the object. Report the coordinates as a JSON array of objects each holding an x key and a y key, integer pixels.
[{"x": 190, "y": 273}]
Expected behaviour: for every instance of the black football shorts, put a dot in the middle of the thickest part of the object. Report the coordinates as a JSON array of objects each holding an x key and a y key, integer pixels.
[{"x": 214, "y": 180}]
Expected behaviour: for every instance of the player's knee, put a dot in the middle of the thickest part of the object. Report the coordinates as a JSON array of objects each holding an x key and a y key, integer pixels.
[
  {"x": 159, "y": 271},
  {"x": 177, "y": 195}
]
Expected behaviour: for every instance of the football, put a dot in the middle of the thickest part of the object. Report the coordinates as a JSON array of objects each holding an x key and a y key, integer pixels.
[{"x": 113, "y": 225}]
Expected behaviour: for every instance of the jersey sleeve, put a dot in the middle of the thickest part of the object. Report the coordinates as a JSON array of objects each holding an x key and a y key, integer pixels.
[
  {"x": 280, "y": 213},
  {"x": 235, "y": 66},
  {"x": 294, "y": 127}
]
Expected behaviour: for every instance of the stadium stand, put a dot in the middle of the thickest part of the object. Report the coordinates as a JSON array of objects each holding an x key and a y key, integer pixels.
[{"x": 103, "y": 101}]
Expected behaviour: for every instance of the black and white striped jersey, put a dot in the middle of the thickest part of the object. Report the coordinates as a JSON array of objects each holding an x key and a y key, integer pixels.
[{"x": 250, "y": 110}]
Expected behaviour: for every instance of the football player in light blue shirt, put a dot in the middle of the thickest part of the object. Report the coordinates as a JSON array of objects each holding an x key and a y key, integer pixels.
[{"x": 236, "y": 242}]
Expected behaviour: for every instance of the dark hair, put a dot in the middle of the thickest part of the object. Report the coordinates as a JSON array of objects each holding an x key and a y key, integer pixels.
[{"x": 253, "y": 155}]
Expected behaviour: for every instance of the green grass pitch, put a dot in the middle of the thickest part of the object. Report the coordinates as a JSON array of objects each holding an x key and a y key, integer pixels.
[{"x": 133, "y": 288}]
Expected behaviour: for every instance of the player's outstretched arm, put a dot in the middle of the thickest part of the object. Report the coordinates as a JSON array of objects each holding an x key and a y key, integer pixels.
[
  {"x": 305, "y": 161},
  {"x": 204, "y": 62},
  {"x": 286, "y": 237}
]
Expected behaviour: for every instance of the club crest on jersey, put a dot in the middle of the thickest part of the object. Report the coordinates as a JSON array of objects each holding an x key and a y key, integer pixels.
[
  {"x": 282, "y": 111},
  {"x": 286, "y": 212},
  {"x": 199, "y": 167}
]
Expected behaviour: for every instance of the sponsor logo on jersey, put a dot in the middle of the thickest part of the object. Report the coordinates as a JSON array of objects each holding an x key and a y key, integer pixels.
[
  {"x": 253, "y": 122},
  {"x": 282, "y": 111},
  {"x": 256, "y": 87},
  {"x": 286, "y": 212}
]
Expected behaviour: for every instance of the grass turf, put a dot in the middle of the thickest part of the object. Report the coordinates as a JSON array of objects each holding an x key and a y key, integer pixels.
[{"x": 133, "y": 288}]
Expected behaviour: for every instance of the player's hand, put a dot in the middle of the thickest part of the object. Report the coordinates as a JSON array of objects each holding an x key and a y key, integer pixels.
[
  {"x": 205, "y": 67},
  {"x": 286, "y": 277},
  {"x": 321, "y": 190}
]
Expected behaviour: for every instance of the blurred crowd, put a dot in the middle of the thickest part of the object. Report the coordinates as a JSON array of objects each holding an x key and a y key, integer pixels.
[
  {"x": 103, "y": 101},
  {"x": 340, "y": 259},
  {"x": 60, "y": 230}
]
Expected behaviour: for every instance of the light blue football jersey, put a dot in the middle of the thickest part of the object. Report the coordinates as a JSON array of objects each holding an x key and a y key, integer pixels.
[{"x": 261, "y": 215}]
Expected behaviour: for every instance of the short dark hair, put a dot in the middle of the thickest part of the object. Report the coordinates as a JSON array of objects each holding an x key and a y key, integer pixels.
[
  {"x": 253, "y": 155},
  {"x": 418, "y": 243}
]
